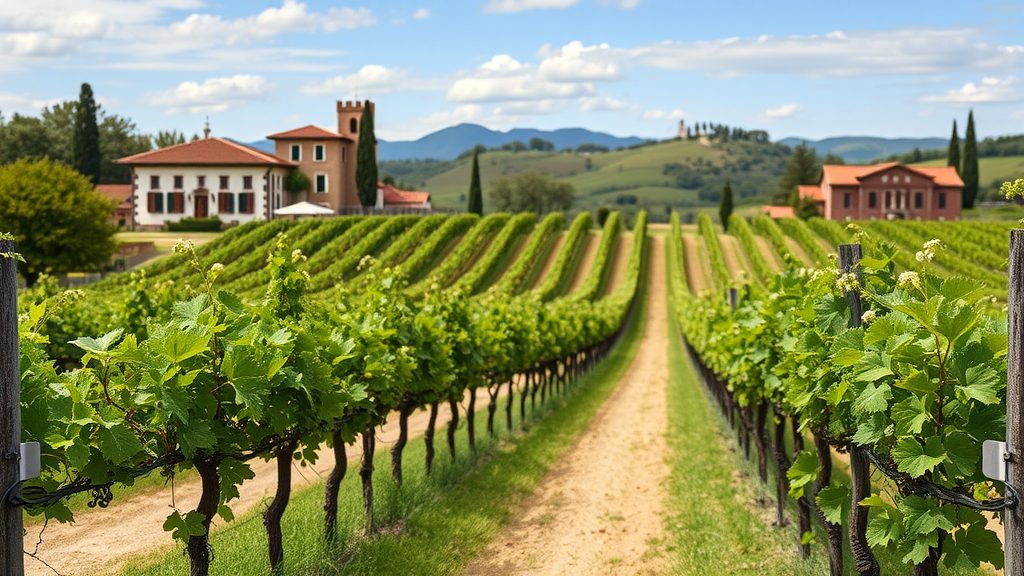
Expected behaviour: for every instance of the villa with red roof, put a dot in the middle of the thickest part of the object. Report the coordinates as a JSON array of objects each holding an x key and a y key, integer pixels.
[
  {"x": 887, "y": 191},
  {"x": 237, "y": 183}
]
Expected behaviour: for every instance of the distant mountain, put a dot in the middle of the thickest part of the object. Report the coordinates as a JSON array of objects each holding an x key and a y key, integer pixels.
[
  {"x": 858, "y": 149},
  {"x": 448, "y": 143}
]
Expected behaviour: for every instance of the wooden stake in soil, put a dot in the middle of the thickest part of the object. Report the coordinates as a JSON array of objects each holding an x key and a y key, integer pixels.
[
  {"x": 1014, "y": 517},
  {"x": 860, "y": 465},
  {"x": 12, "y": 562}
]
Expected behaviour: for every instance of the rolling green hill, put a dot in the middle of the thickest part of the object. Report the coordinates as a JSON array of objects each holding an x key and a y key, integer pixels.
[
  {"x": 677, "y": 173},
  {"x": 992, "y": 171}
]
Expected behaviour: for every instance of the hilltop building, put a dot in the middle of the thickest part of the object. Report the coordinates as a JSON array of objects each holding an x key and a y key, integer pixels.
[
  {"x": 890, "y": 191},
  {"x": 237, "y": 183}
]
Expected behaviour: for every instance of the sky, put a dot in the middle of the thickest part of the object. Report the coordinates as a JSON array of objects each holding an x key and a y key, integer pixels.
[{"x": 811, "y": 69}]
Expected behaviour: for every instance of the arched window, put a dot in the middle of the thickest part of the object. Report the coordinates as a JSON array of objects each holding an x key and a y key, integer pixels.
[{"x": 353, "y": 126}]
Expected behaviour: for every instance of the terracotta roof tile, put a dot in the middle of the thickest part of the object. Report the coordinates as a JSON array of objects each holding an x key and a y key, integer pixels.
[
  {"x": 393, "y": 195},
  {"x": 308, "y": 133},
  {"x": 119, "y": 192},
  {"x": 779, "y": 212},
  {"x": 813, "y": 192},
  {"x": 208, "y": 151},
  {"x": 839, "y": 175}
]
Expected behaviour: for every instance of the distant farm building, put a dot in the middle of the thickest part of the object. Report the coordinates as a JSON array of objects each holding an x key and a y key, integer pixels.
[
  {"x": 121, "y": 216},
  {"x": 890, "y": 191}
]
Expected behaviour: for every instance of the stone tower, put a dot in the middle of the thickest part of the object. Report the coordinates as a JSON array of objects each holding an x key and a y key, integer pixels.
[
  {"x": 682, "y": 130},
  {"x": 350, "y": 114}
]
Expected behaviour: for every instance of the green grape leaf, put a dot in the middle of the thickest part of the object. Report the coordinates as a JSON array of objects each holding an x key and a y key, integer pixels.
[
  {"x": 180, "y": 344},
  {"x": 915, "y": 547},
  {"x": 979, "y": 544},
  {"x": 118, "y": 443},
  {"x": 909, "y": 415},
  {"x": 963, "y": 455},
  {"x": 232, "y": 474},
  {"x": 196, "y": 434},
  {"x": 982, "y": 384},
  {"x": 189, "y": 311},
  {"x": 99, "y": 346},
  {"x": 802, "y": 472},
  {"x": 925, "y": 516},
  {"x": 231, "y": 302},
  {"x": 871, "y": 430},
  {"x": 831, "y": 314},
  {"x": 872, "y": 399},
  {"x": 834, "y": 503},
  {"x": 78, "y": 455},
  {"x": 885, "y": 527},
  {"x": 916, "y": 460},
  {"x": 226, "y": 513},
  {"x": 917, "y": 381},
  {"x": 955, "y": 326},
  {"x": 181, "y": 528}
]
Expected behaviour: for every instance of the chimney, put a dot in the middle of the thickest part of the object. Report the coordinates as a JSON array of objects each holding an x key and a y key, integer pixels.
[{"x": 206, "y": 131}]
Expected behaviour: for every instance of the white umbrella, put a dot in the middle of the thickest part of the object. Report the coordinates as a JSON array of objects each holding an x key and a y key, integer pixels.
[{"x": 303, "y": 209}]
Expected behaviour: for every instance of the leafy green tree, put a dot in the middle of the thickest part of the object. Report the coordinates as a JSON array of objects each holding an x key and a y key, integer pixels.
[
  {"x": 476, "y": 193},
  {"x": 87, "y": 155},
  {"x": 541, "y": 145},
  {"x": 953, "y": 156},
  {"x": 725, "y": 206},
  {"x": 296, "y": 181},
  {"x": 602, "y": 215},
  {"x": 23, "y": 137},
  {"x": 119, "y": 138},
  {"x": 833, "y": 159},
  {"x": 57, "y": 218},
  {"x": 969, "y": 171},
  {"x": 366, "y": 159},
  {"x": 163, "y": 139},
  {"x": 803, "y": 168},
  {"x": 531, "y": 191}
]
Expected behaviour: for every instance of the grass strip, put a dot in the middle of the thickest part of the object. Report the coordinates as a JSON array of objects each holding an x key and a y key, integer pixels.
[{"x": 432, "y": 525}]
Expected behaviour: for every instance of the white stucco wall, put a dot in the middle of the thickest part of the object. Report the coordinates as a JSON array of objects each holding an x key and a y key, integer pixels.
[{"x": 262, "y": 189}]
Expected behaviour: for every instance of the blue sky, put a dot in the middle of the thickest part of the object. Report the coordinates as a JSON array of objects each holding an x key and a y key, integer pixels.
[{"x": 628, "y": 67}]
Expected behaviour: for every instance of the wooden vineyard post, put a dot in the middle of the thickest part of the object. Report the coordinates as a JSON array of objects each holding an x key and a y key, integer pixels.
[
  {"x": 1014, "y": 534},
  {"x": 12, "y": 561},
  {"x": 860, "y": 465},
  {"x": 734, "y": 298}
]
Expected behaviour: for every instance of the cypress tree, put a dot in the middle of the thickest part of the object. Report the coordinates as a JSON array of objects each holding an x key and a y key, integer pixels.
[
  {"x": 476, "y": 193},
  {"x": 86, "y": 155},
  {"x": 969, "y": 171},
  {"x": 366, "y": 160},
  {"x": 725, "y": 206},
  {"x": 953, "y": 156}
]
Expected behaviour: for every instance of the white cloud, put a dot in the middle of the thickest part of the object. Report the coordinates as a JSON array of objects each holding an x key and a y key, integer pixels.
[
  {"x": 989, "y": 90},
  {"x": 23, "y": 104},
  {"x": 213, "y": 95},
  {"x": 624, "y": 4},
  {"x": 570, "y": 63},
  {"x": 504, "y": 79},
  {"x": 899, "y": 51},
  {"x": 675, "y": 114},
  {"x": 602, "y": 103},
  {"x": 371, "y": 79},
  {"x": 510, "y": 6},
  {"x": 421, "y": 14},
  {"x": 784, "y": 111},
  {"x": 531, "y": 108}
]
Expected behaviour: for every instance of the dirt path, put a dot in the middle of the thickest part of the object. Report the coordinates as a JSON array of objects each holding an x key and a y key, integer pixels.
[
  {"x": 586, "y": 262},
  {"x": 735, "y": 258},
  {"x": 797, "y": 249},
  {"x": 695, "y": 277},
  {"x": 620, "y": 262},
  {"x": 769, "y": 255},
  {"x": 599, "y": 510},
  {"x": 549, "y": 260},
  {"x": 101, "y": 541},
  {"x": 516, "y": 254}
]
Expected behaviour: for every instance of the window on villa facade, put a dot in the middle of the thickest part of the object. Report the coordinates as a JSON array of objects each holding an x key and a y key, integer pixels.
[
  {"x": 318, "y": 153},
  {"x": 201, "y": 180},
  {"x": 155, "y": 202},
  {"x": 342, "y": 153},
  {"x": 918, "y": 200},
  {"x": 246, "y": 182},
  {"x": 353, "y": 126},
  {"x": 226, "y": 203},
  {"x": 847, "y": 200},
  {"x": 872, "y": 199},
  {"x": 906, "y": 179},
  {"x": 154, "y": 182},
  {"x": 179, "y": 182},
  {"x": 321, "y": 183},
  {"x": 296, "y": 152},
  {"x": 224, "y": 181},
  {"x": 175, "y": 202},
  {"x": 885, "y": 177},
  {"x": 942, "y": 200},
  {"x": 246, "y": 203}
]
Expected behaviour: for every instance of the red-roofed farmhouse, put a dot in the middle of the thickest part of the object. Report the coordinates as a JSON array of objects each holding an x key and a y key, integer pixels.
[{"x": 890, "y": 191}]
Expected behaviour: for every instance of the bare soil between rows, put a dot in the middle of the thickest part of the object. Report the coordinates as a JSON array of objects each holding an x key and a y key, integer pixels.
[{"x": 600, "y": 509}]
